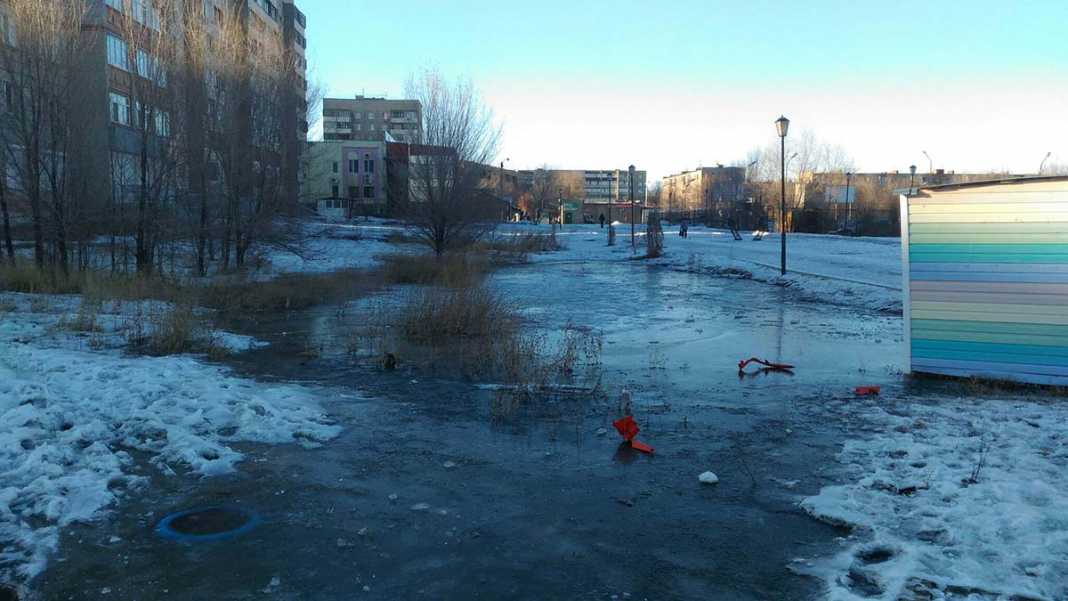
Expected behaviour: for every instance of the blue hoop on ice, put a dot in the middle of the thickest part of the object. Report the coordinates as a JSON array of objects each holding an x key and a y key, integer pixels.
[{"x": 226, "y": 515}]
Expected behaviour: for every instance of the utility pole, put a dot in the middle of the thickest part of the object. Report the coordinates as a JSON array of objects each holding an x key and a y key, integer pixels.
[
  {"x": 849, "y": 204},
  {"x": 630, "y": 175}
]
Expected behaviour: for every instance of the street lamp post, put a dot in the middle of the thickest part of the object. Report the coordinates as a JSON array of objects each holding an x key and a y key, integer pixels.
[
  {"x": 930, "y": 163},
  {"x": 849, "y": 205},
  {"x": 912, "y": 178},
  {"x": 1042, "y": 165},
  {"x": 630, "y": 175},
  {"x": 782, "y": 124}
]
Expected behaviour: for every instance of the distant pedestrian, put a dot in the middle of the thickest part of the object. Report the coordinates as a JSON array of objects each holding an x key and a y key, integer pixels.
[
  {"x": 684, "y": 229},
  {"x": 601, "y": 219}
]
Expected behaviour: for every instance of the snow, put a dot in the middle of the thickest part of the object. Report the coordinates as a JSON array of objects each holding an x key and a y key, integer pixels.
[
  {"x": 71, "y": 420},
  {"x": 336, "y": 246},
  {"x": 840, "y": 270},
  {"x": 708, "y": 478},
  {"x": 922, "y": 523}
]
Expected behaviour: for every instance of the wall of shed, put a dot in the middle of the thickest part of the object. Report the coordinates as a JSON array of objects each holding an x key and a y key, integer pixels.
[{"x": 986, "y": 272}]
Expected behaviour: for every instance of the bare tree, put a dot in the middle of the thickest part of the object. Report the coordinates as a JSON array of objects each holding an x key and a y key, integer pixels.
[
  {"x": 544, "y": 191},
  {"x": 43, "y": 47},
  {"x": 153, "y": 42},
  {"x": 445, "y": 204}
]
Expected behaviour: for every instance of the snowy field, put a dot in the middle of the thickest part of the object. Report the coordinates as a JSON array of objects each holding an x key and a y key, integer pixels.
[
  {"x": 955, "y": 499},
  {"x": 839, "y": 270},
  {"x": 72, "y": 419}
]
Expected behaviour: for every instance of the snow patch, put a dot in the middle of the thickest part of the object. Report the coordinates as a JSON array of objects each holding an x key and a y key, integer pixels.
[
  {"x": 70, "y": 417},
  {"x": 962, "y": 497}
]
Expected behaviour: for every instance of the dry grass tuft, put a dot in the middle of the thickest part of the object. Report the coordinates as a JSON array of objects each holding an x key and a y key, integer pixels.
[
  {"x": 437, "y": 315},
  {"x": 286, "y": 292},
  {"x": 452, "y": 270}
]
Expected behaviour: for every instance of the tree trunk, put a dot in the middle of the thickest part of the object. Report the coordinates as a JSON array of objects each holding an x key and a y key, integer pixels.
[{"x": 7, "y": 221}]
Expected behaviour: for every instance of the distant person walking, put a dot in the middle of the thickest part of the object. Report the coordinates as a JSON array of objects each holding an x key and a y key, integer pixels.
[
  {"x": 601, "y": 219},
  {"x": 684, "y": 229}
]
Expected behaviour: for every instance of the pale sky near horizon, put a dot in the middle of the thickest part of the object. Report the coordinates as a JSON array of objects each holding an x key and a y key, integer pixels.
[{"x": 981, "y": 85}]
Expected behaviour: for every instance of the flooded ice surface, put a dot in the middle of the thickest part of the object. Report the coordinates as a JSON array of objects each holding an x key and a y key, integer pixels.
[{"x": 424, "y": 495}]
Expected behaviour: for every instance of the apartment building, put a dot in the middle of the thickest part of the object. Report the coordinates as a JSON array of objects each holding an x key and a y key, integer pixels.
[
  {"x": 590, "y": 185},
  {"x": 374, "y": 119},
  {"x": 343, "y": 178},
  {"x": 115, "y": 65},
  {"x": 708, "y": 189}
]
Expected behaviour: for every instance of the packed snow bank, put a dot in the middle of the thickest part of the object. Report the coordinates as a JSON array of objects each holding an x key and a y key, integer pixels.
[
  {"x": 70, "y": 418},
  {"x": 950, "y": 500}
]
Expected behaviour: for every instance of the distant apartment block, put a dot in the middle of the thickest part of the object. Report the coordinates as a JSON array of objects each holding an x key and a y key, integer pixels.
[
  {"x": 374, "y": 119},
  {"x": 590, "y": 185},
  {"x": 709, "y": 189}
]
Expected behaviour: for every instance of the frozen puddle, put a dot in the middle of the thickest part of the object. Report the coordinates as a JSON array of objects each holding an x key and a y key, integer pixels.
[
  {"x": 70, "y": 420},
  {"x": 960, "y": 499}
]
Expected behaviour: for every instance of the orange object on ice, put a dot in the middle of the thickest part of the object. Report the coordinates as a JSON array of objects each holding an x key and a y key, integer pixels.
[
  {"x": 866, "y": 390},
  {"x": 628, "y": 429}
]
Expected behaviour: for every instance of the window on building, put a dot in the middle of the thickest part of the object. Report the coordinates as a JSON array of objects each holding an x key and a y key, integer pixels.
[
  {"x": 368, "y": 164},
  {"x": 120, "y": 108},
  {"x": 117, "y": 53},
  {"x": 354, "y": 165},
  {"x": 145, "y": 14},
  {"x": 7, "y": 29},
  {"x": 149, "y": 67},
  {"x": 357, "y": 115},
  {"x": 370, "y": 115},
  {"x": 358, "y": 127},
  {"x": 367, "y": 179},
  {"x": 371, "y": 127},
  {"x": 368, "y": 192},
  {"x": 385, "y": 115},
  {"x": 163, "y": 123},
  {"x": 335, "y": 166},
  {"x": 354, "y": 192},
  {"x": 7, "y": 95},
  {"x": 333, "y": 190}
]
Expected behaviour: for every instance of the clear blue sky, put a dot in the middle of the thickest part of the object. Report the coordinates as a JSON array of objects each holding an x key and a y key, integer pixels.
[{"x": 671, "y": 85}]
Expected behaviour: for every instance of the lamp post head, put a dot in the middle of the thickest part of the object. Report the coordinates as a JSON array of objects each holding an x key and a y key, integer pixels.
[
  {"x": 782, "y": 124},
  {"x": 912, "y": 169},
  {"x": 631, "y": 169}
]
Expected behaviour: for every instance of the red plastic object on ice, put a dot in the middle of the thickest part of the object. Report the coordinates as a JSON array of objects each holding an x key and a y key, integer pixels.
[
  {"x": 767, "y": 364},
  {"x": 866, "y": 390},
  {"x": 628, "y": 429}
]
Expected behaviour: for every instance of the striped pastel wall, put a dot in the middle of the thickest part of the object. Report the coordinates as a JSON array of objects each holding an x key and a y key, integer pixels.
[{"x": 986, "y": 280}]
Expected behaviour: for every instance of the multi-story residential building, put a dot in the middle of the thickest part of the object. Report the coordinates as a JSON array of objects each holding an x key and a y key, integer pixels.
[
  {"x": 376, "y": 119},
  {"x": 343, "y": 178},
  {"x": 590, "y": 185},
  {"x": 113, "y": 138},
  {"x": 711, "y": 190}
]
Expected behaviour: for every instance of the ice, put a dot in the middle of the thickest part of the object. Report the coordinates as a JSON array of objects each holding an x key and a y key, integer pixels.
[
  {"x": 708, "y": 478},
  {"x": 69, "y": 416},
  {"x": 951, "y": 495}
]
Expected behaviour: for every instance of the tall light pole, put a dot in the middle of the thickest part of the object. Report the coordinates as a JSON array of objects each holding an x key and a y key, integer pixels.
[
  {"x": 849, "y": 205},
  {"x": 630, "y": 176},
  {"x": 912, "y": 178},
  {"x": 930, "y": 163},
  {"x": 782, "y": 124},
  {"x": 1042, "y": 165}
]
